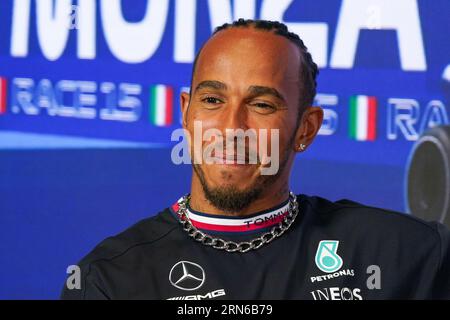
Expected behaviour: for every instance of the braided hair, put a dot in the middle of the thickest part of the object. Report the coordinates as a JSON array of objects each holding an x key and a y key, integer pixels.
[{"x": 308, "y": 69}]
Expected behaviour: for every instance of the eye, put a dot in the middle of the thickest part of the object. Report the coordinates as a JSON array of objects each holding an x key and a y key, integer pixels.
[
  {"x": 211, "y": 100},
  {"x": 263, "y": 107}
]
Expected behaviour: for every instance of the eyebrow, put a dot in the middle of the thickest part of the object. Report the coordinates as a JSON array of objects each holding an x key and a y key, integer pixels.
[
  {"x": 262, "y": 90},
  {"x": 212, "y": 84}
]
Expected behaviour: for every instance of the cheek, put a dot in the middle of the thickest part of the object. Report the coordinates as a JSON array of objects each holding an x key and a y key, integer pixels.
[
  {"x": 277, "y": 142},
  {"x": 281, "y": 140},
  {"x": 203, "y": 133},
  {"x": 207, "y": 119}
]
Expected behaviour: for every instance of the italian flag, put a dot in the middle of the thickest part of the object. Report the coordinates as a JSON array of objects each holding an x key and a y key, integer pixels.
[
  {"x": 161, "y": 105},
  {"x": 2, "y": 95},
  {"x": 362, "y": 118}
]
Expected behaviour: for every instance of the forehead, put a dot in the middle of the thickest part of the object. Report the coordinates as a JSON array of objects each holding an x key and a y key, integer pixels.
[{"x": 248, "y": 54}]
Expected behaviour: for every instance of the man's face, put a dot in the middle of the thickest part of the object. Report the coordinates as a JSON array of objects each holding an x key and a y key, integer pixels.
[{"x": 245, "y": 79}]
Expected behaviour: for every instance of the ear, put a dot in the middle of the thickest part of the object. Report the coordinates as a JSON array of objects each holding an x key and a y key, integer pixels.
[
  {"x": 184, "y": 104},
  {"x": 309, "y": 126}
]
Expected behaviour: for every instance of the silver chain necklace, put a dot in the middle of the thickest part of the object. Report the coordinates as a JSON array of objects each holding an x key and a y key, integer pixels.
[{"x": 231, "y": 246}]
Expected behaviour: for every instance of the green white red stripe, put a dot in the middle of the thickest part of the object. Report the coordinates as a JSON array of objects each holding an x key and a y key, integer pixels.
[
  {"x": 2, "y": 95},
  {"x": 161, "y": 105},
  {"x": 362, "y": 118}
]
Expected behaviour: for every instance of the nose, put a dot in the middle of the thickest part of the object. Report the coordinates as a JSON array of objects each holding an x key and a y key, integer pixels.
[{"x": 235, "y": 116}]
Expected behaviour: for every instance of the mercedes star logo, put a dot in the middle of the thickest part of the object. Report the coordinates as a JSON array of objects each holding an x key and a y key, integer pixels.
[{"x": 186, "y": 275}]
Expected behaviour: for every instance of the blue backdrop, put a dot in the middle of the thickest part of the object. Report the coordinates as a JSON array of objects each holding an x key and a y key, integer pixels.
[{"x": 81, "y": 157}]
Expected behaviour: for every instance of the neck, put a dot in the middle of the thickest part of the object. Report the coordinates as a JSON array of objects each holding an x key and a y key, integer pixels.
[{"x": 270, "y": 197}]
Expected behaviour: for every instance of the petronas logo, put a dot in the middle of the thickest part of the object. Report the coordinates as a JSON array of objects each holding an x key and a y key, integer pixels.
[{"x": 327, "y": 259}]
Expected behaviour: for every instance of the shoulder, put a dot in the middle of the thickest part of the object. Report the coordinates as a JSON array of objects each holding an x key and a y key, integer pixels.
[
  {"x": 146, "y": 232},
  {"x": 407, "y": 246},
  {"x": 363, "y": 220},
  {"x": 122, "y": 249}
]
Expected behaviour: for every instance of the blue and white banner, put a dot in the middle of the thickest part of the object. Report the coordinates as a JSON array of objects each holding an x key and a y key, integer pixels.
[{"x": 87, "y": 68}]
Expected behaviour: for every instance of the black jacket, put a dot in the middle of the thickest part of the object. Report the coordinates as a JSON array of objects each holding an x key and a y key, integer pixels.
[{"x": 333, "y": 251}]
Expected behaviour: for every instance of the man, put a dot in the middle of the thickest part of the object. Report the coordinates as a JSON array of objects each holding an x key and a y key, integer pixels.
[{"x": 241, "y": 234}]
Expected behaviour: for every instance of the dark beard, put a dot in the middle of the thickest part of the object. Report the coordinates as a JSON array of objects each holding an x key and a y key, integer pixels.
[{"x": 230, "y": 198}]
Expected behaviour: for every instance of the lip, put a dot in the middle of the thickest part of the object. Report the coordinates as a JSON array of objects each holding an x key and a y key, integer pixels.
[
  {"x": 221, "y": 156},
  {"x": 227, "y": 161}
]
